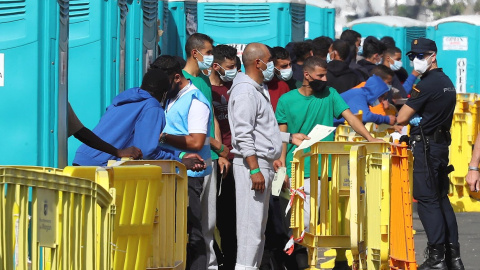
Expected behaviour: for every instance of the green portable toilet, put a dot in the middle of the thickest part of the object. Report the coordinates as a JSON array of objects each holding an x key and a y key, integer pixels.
[
  {"x": 319, "y": 19},
  {"x": 33, "y": 82},
  {"x": 403, "y": 30},
  {"x": 458, "y": 50}
]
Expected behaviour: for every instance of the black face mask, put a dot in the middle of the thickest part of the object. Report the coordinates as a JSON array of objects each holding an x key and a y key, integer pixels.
[{"x": 317, "y": 85}]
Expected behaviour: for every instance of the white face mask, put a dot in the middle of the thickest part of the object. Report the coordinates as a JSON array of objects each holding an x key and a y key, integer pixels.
[
  {"x": 329, "y": 58},
  {"x": 206, "y": 63},
  {"x": 230, "y": 74},
  {"x": 421, "y": 66},
  {"x": 379, "y": 61},
  {"x": 285, "y": 74},
  {"x": 396, "y": 65},
  {"x": 268, "y": 72}
]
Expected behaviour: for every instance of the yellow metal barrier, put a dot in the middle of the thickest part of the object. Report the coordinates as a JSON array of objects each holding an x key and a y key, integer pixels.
[
  {"x": 169, "y": 239},
  {"x": 66, "y": 213},
  {"x": 343, "y": 206}
]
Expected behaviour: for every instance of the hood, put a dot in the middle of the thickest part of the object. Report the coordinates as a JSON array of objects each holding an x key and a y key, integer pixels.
[
  {"x": 338, "y": 68},
  {"x": 132, "y": 95},
  {"x": 244, "y": 78},
  {"x": 374, "y": 88}
]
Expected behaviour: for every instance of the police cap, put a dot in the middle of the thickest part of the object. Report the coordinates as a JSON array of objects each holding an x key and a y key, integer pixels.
[{"x": 422, "y": 45}]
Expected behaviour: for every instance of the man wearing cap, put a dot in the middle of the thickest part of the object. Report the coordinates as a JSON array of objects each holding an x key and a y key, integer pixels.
[{"x": 429, "y": 112}]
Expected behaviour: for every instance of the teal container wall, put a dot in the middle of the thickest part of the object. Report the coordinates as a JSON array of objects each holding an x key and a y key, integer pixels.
[
  {"x": 447, "y": 59},
  {"x": 241, "y": 23},
  {"x": 93, "y": 64},
  {"x": 179, "y": 22},
  {"x": 29, "y": 104},
  {"x": 403, "y": 37},
  {"x": 320, "y": 22}
]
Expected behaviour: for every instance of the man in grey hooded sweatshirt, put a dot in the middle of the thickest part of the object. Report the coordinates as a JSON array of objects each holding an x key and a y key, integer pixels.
[{"x": 257, "y": 145}]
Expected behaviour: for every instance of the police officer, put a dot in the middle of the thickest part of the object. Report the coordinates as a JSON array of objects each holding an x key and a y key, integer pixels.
[{"x": 430, "y": 111}]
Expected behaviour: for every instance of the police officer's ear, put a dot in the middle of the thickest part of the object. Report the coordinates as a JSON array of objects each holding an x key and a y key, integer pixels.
[{"x": 434, "y": 57}]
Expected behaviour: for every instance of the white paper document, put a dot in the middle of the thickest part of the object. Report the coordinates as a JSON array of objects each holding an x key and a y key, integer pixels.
[
  {"x": 278, "y": 180},
  {"x": 318, "y": 133}
]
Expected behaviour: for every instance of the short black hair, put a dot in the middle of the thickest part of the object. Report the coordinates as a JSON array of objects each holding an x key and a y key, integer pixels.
[
  {"x": 350, "y": 36},
  {"x": 222, "y": 52},
  {"x": 279, "y": 53},
  {"x": 156, "y": 82},
  {"x": 382, "y": 72},
  {"x": 371, "y": 46},
  {"x": 168, "y": 64},
  {"x": 196, "y": 41},
  {"x": 393, "y": 51},
  {"x": 342, "y": 48},
  {"x": 314, "y": 61},
  {"x": 239, "y": 63},
  {"x": 388, "y": 41},
  {"x": 321, "y": 45},
  {"x": 302, "y": 50}
]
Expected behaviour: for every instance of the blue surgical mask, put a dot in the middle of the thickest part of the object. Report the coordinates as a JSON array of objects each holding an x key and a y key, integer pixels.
[
  {"x": 360, "y": 50},
  {"x": 206, "y": 63},
  {"x": 268, "y": 72},
  {"x": 329, "y": 58},
  {"x": 230, "y": 74},
  {"x": 389, "y": 87},
  {"x": 396, "y": 65},
  {"x": 375, "y": 103},
  {"x": 285, "y": 74}
]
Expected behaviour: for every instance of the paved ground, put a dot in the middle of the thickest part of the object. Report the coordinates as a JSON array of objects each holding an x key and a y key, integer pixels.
[{"x": 469, "y": 231}]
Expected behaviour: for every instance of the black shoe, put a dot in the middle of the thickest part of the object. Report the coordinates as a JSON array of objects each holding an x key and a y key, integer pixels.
[
  {"x": 452, "y": 257},
  {"x": 342, "y": 265},
  {"x": 435, "y": 255}
]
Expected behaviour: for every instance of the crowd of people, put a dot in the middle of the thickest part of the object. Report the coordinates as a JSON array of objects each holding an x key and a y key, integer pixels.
[{"x": 233, "y": 129}]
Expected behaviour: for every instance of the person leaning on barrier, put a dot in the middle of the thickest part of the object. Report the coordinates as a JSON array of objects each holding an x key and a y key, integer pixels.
[
  {"x": 136, "y": 117},
  {"x": 473, "y": 176},
  {"x": 430, "y": 111},
  {"x": 257, "y": 144},
  {"x": 86, "y": 136}
]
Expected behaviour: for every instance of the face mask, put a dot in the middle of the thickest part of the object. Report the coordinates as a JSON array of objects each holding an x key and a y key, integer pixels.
[
  {"x": 396, "y": 65},
  {"x": 230, "y": 74},
  {"x": 389, "y": 87},
  {"x": 329, "y": 58},
  {"x": 206, "y": 63},
  {"x": 379, "y": 62},
  {"x": 285, "y": 74},
  {"x": 317, "y": 85},
  {"x": 209, "y": 72},
  {"x": 360, "y": 50},
  {"x": 421, "y": 66},
  {"x": 375, "y": 103},
  {"x": 268, "y": 72}
]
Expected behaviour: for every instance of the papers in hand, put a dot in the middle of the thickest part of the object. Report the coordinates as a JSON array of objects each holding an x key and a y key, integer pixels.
[
  {"x": 278, "y": 180},
  {"x": 318, "y": 133}
]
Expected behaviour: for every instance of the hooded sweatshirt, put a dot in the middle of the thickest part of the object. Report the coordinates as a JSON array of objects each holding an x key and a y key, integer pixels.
[
  {"x": 252, "y": 123},
  {"x": 341, "y": 77},
  {"x": 360, "y": 98},
  {"x": 134, "y": 118}
]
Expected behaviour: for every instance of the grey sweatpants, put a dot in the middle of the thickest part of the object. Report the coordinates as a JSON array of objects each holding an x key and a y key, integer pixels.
[
  {"x": 209, "y": 215},
  {"x": 252, "y": 213}
]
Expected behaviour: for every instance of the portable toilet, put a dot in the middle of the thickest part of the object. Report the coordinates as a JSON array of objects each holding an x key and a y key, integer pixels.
[
  {"x": 238, "y": 23},
  {"x": 33, "y": 82},
  {"x": 179, "y": 22},
  {"x": 458, "y": 50},
  {"x": 403, "y": 30},
  {"x": 298, "y": 14},
  {"x": 319, "y": 19}
]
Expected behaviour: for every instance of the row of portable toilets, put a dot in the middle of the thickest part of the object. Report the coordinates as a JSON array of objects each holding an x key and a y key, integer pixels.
[{"x": 87, "y": 52}]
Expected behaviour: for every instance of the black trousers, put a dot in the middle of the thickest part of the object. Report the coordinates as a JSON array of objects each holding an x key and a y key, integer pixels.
[
  {"x": 196, "y": 248},
  {"x": 434, "y": 208},
  {"x": 226, "y": 218}
]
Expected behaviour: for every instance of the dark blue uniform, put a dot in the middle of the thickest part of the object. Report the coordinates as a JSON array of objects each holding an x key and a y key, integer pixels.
[{"x": 433, "y": 99}]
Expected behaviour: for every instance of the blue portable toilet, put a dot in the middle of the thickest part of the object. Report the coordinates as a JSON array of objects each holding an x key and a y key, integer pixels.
[
  {"x": 238, "y": 23},
  {"x": 33, "y": 82},
  {"x": 403, "y": 30},
  {"x": 458, "y": 50},
  {"x": 319, "y": 19},
  {"x": 179, "y": 22}
]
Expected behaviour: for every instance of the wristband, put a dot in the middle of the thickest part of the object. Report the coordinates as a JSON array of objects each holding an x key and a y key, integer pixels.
[
  {"x": 254, "y": 171},
  {"x": 472, "y": 168},
  {"x": 181, "y": 155},
  {"x": 220, "y": 150}
]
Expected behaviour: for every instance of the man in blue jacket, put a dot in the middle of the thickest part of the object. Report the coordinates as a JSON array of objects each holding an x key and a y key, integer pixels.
[
  {"x": 374, "y": 92},
  {"x": 136, "y": 117}
]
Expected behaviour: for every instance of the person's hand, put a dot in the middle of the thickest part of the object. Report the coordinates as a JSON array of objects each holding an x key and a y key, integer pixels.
[
  {"x": 225, "y": 152},
  {"x": 258, "y": 182},
  {"x": 375, "y": 140},
  {"x": 415, "y": 121},
  {"x": 194, "y": 162},
  {"x": 277, "y": 164},
  {"x": 473, "y": 180},
  {"x": 392, "y": 120},
  {"x": 298, "y": 138},
  {"x": 224, "y": 165},
  {"x": 131, "y": 151},
  {"x": 398, "y": 128}
]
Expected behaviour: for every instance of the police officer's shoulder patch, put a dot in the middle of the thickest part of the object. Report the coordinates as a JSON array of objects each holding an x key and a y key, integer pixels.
[{"x": 415, "y": 92}]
